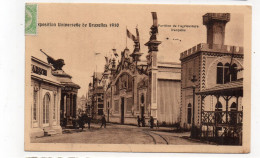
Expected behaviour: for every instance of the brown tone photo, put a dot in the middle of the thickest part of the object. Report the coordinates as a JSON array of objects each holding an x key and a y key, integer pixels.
[{"x": 137, "y": 78}]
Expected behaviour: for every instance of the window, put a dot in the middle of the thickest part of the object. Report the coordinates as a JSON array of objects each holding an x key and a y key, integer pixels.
[
  {"x": 233, "y": 72},
  {"x": 233, "y": 107},
  {"x": 100, "y": 109},
  {"x": 226, "y": 73},
  {"x": 54, "y": 107},
  {"x": 220, "y": 73},
  {"x": 130, "y": 82},
  {"x": 189, "y": 113},
  {"x": 46, "y": 104},
  {"x": 34, "y": 105},
  {"x": 100, "y": 112},
  {"x": 142, "y": 98}
]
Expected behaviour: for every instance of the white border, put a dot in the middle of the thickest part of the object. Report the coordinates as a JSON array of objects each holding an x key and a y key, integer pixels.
[{"x": 12, "y": 81}]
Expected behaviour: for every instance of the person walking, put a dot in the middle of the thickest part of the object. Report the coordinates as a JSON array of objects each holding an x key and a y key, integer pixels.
[
  {"x": 151, "y": 122},
  {"x": 103, "y": 121},
  {"x": 88, "y": 120},
  {"x": 143, "y": 121}
]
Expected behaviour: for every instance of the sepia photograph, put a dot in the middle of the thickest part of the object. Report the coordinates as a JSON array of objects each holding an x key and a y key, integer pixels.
[{"x": 137, "y": 77}]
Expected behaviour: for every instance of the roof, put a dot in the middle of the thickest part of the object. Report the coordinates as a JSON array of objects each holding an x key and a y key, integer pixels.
[{"x": 234, "y": 88}]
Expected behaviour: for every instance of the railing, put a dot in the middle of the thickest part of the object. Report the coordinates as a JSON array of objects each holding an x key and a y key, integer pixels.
[{"x": 222, "y": 118}]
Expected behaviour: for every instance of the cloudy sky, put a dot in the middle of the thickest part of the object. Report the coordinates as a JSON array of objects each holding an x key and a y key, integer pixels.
[{"x": 78, "y": 45}]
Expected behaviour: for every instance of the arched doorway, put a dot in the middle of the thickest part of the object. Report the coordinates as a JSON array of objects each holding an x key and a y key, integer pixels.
[
  {"x": 45, "y": 111},
  {"x": 122, "y": 110},
  {"x": 142, "y": 106}
]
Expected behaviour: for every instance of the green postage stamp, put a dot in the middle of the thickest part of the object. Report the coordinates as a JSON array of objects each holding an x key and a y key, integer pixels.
[{"x": 30, "y": 19}]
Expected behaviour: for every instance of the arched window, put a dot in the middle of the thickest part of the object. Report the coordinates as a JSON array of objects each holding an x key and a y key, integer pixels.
[
  {"x": 233, "y": 72},
  {"x": 233, "y": 107},
  {"x": 46, "y": 105},
  {"x": 218, "y": 114},
  {"x": 35, "y": 105},
  {"x": 189, "y": 114},
  {"x": 142, "y": 98},
  {"x": 226, "y": 73},
  {"x": 220, "y": 73}
]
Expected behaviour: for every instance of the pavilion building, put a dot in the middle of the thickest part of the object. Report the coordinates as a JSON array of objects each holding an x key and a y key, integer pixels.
[{"x": 212, "y": 84}]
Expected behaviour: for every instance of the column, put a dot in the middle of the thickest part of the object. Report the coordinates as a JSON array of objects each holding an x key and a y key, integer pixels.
[
  {"x": 75, "y": 105},
  {"x": 68, "y": 105},
  {"x": 71, "y": 105}
]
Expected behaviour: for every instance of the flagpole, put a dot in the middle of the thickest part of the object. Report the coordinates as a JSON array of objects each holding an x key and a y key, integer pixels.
[{"x": 126, "y": 38}]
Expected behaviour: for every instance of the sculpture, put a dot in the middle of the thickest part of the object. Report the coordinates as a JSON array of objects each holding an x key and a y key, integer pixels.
[{"x": 57, "y": 64}]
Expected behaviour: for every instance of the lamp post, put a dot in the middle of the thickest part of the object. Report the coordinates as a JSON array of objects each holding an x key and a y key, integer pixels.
[{"x": 193, "y": 130}]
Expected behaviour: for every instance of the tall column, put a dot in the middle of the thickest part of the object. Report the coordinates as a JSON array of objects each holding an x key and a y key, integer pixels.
[
  {"x": 152, "y": 65},
  {"x": 71, "y": 105},
  {"x": 135, "y": 93},
  {"x": 75, "y": 106},
  {"x": 68, "y": 105}
]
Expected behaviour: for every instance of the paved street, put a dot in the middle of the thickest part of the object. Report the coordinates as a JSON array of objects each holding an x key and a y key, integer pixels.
[{"x": 118, "y": 134}]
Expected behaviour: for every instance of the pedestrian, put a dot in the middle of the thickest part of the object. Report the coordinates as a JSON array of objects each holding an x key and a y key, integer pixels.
[
  {"x": 138, "y": 121},
  {"x": 143, "y": 121},
  {"x": 151, "y": 122},
  {"x": 81, "y": 121},
  {"x": 157, "y": 124},
  {"x": 103, "y": 121},
  {"x": 88, "y": 121}
]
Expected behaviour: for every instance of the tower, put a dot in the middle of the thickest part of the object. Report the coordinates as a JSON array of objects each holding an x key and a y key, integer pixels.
[{"x": 216, "y": 23}]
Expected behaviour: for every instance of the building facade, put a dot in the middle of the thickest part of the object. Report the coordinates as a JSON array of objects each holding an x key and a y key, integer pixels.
[
  {"x": 147, "y": 88},
  {"x": 96, "y": 97},
  {"x": 212, "y": 82},
  {"x": 46, "y": 94},
  {"x": 68, "y": 101}
]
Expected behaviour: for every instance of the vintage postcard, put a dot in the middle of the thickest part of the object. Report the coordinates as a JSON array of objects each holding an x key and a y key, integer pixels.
[{"x": 137, "y": 77}]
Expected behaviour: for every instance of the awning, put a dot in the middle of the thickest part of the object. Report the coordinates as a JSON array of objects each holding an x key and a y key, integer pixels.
[{"x": 234, "y": 88}]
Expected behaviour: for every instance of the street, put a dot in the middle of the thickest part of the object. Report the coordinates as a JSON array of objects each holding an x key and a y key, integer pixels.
[{"x": 118, "y": 134}]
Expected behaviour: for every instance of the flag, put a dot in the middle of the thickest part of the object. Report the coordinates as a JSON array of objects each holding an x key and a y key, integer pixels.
[
  {"x": 155, "y": 22},
  {"x": 130, "y": 35}
]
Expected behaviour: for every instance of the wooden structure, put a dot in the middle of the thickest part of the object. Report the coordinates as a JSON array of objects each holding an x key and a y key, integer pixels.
[{"x": 223, "y": 127}]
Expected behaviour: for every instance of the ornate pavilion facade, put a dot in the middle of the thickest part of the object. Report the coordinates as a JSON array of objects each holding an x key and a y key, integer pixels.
[
  {"x": 212, "y": 85},
  {"x": 135, "y": 88}
]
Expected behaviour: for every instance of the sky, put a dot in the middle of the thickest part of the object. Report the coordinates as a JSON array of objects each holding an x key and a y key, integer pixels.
[{"x": 77, "y": 46}]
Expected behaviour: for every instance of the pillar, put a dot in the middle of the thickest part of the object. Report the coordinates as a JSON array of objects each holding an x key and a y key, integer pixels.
[{"x": 152, "y": 66}]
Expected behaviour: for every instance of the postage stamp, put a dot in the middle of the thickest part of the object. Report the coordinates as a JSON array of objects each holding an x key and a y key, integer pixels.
[{"x": 31, "y": 19}]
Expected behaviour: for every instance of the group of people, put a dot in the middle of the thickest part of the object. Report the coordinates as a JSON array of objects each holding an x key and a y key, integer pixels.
[
  {"x": 142, "y": 121},
  {"x": 83, "y": 119}
]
